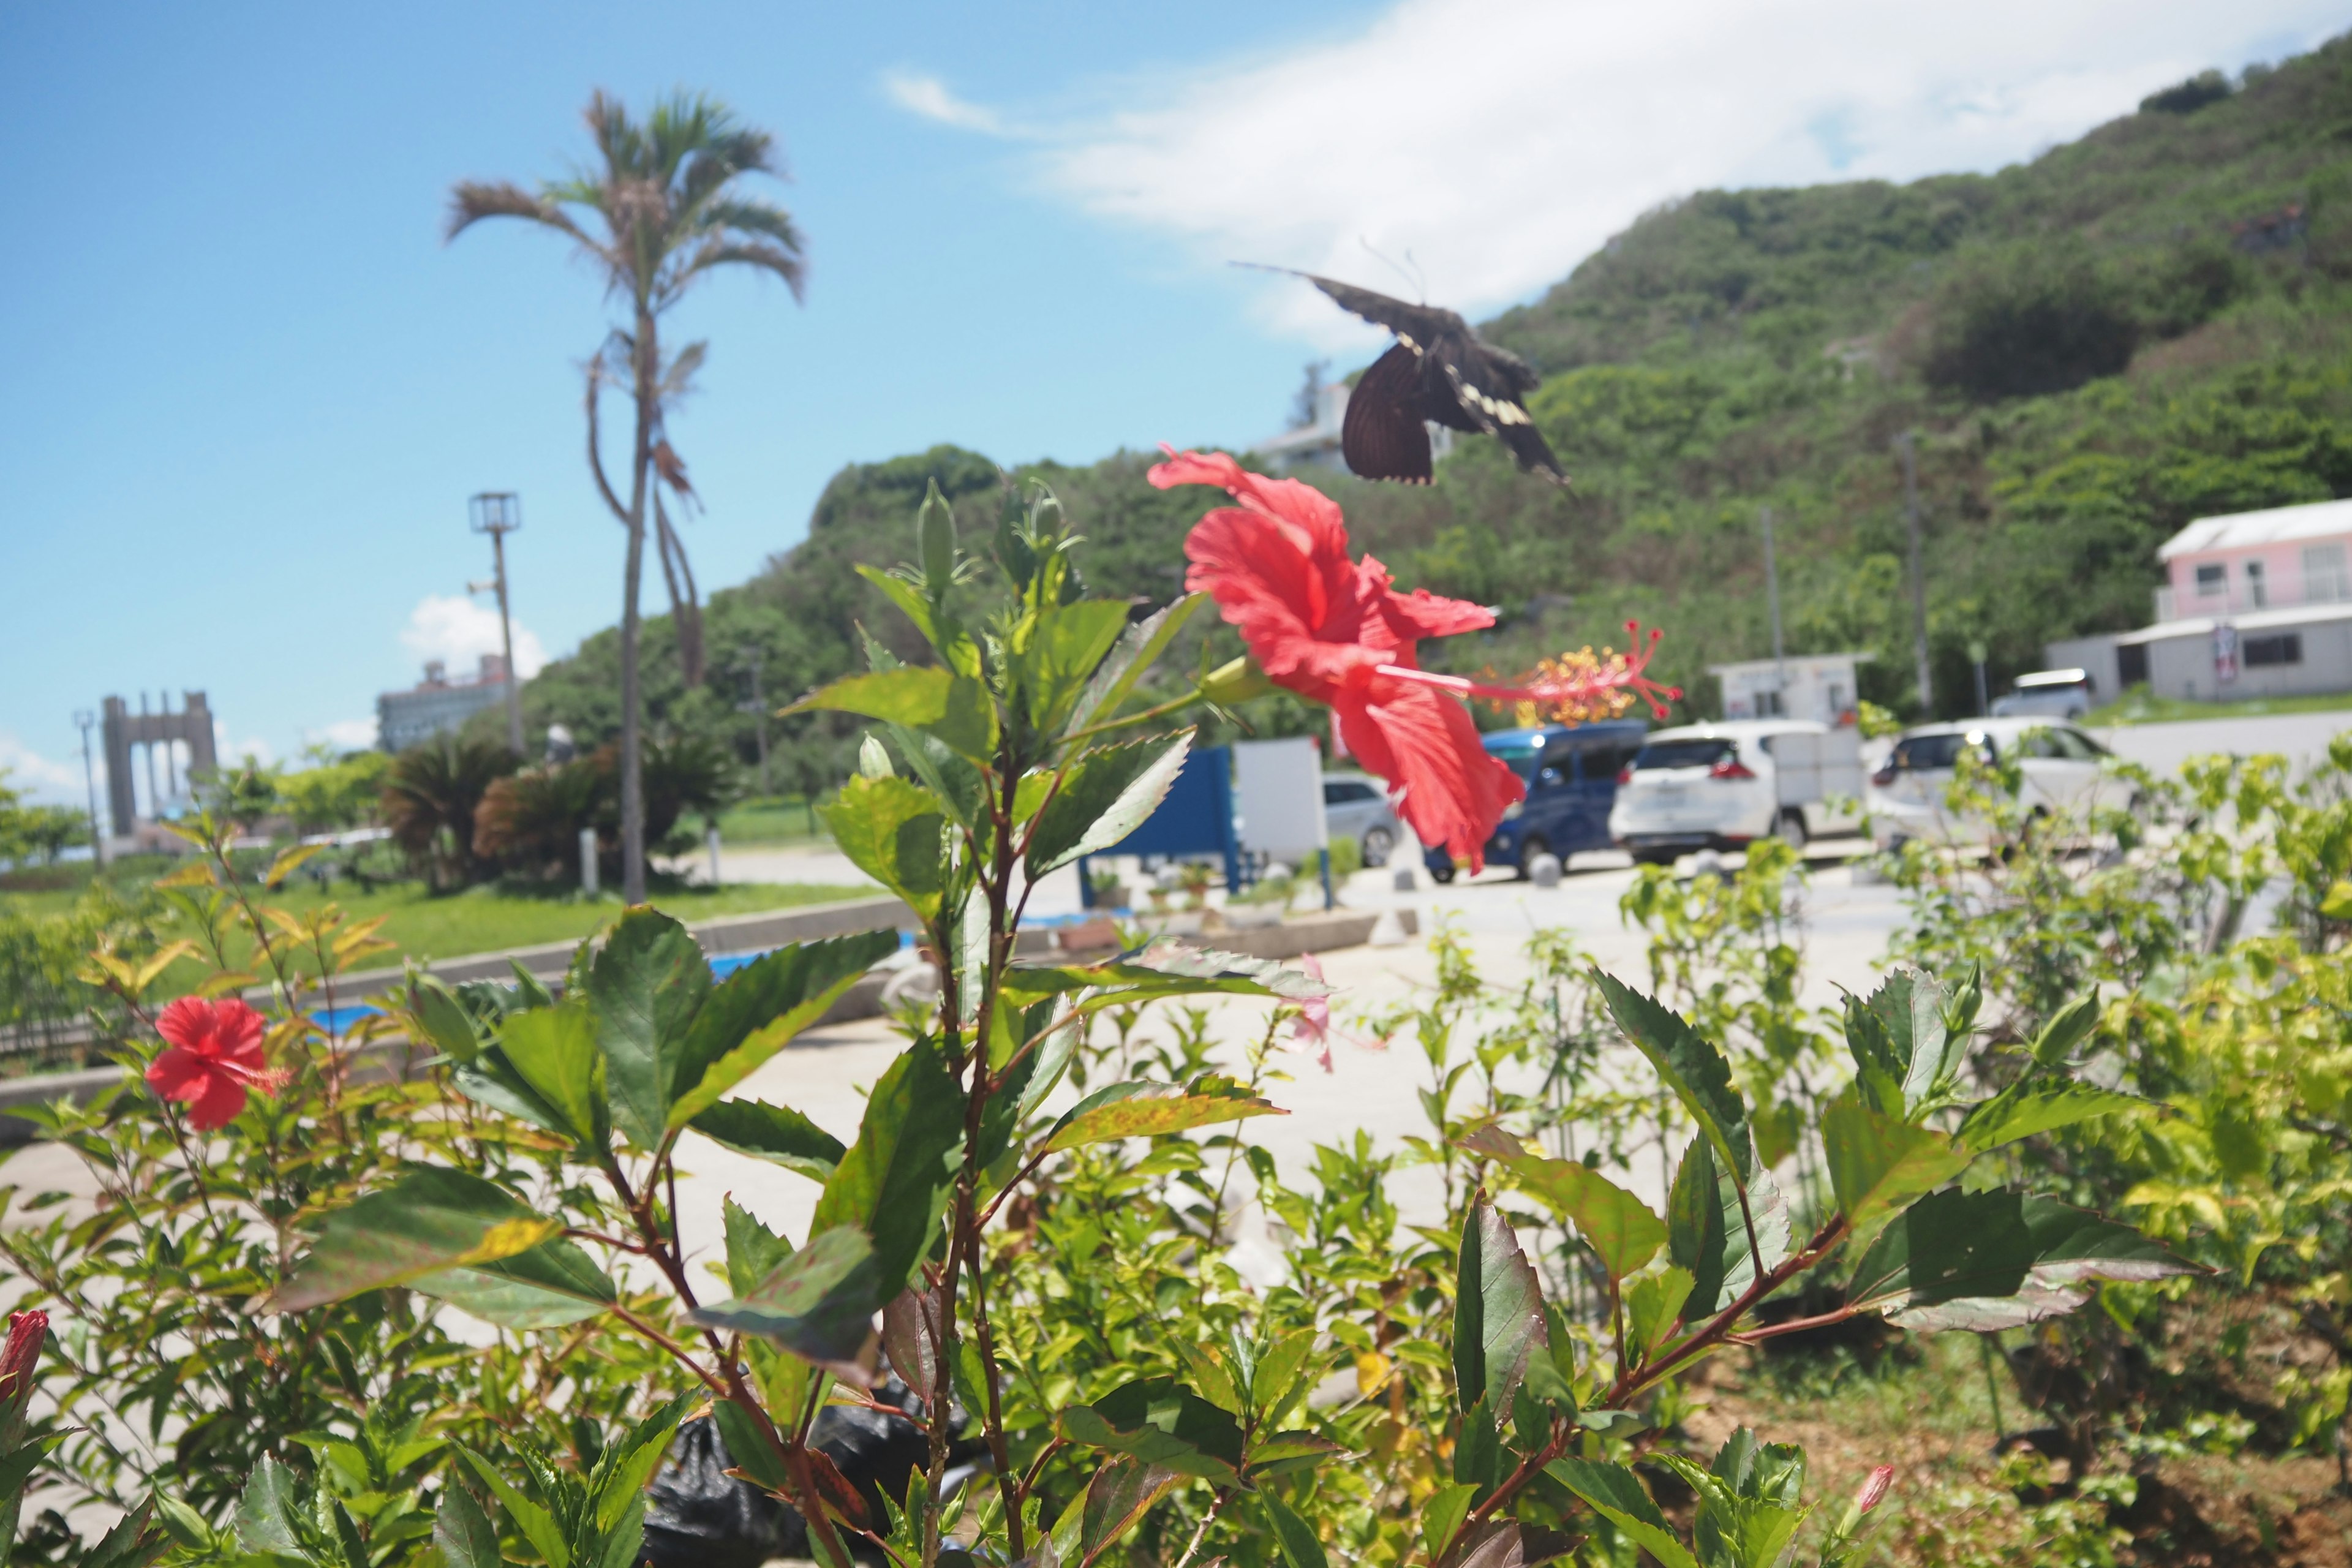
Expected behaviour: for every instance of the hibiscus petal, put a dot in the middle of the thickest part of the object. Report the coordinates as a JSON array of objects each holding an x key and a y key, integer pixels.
[
  {"x": 218, "y": 1105},
  {"x": 239, "y": 1029},
  {"x": 1423, "y": 742},
  {"x": 187, "y": 1022},
  {"x": 176, "y": 1072}
]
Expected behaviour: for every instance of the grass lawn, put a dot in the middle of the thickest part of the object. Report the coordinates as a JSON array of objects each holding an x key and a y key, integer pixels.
[
  {"x": 484, "y": 920},
  {"x": 777, "y": 819},
  {"x": 2139, "y": 708}
]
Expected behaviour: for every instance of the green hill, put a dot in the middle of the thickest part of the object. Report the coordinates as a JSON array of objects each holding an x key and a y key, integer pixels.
[{"x": 2142, "y": 327}]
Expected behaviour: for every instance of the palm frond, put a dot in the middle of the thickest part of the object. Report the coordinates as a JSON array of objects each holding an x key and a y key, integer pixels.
[
  {"x": 678, "y": 379},
  {"x": 716, "y": 252},
  {"x": 471, "y": 201}
]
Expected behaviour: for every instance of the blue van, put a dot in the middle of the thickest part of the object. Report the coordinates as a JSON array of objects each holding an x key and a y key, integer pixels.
[{"x": 1571, "y": 778}]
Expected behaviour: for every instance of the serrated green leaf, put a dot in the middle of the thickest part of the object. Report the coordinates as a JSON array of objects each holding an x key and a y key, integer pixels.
[
  {"x": 536, "y": 1523},
  {"x": 915, "y": 696},
  {"x": 754, "y": 1251},
  {"x": 819, "y": 1304},
  {"x": 2043, "y": 1105},
  {"x": 1707, "y": 1228},
  {"x": 1618, "y": 1228},
  {"x": 776, "y": 1133},
  {"x": 1998, "y": 1259},
  {"x": 430, "y": 1219},
  {"x": 464, "y": 1532},
  {"x": 1158, "y": 1421},
  {"x": 1069, "y": 642},
  {"x": 1105, "y": 796},
  {"x": 891, "y": 829},
  {"x": 1654, "y": 1305},
  {"x": 1691, "y": 1067},
  {"x": 760, "y": 1009},
  {"x": 443, "y": 1018},
  {"x": 1614, "y": 1492},
  {"x": 1499, "y": 1321},
  {"x": 554, "y": 1053},
  {"x": 1136, "y": 651},
  {"x": 893, "y": 1184},
  {"x": 1300, "y": 1546},
  {"x": 269, "y": 1509},
  {"x": 1117, "y": 1497},
  {"x": 644, "y": 988},
  {"x": 1879, "y": 1163},
  {"x": 1148, "y": 1109}
]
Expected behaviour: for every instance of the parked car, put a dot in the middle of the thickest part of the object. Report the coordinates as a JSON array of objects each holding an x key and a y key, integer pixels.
[
  {"x": 1723, "y": 786},
  {"x": 2050, "y": 693},
  {"x": 1356, "y": 806},
  {"x": 1571, "y": 773},
  {"x": 2060, "y": 771}
]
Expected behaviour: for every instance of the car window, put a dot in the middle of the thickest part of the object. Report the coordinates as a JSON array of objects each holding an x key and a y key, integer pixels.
[
  {"x": 1550, "y": 777},
  {"x": 1602, "y": 764},
  {"x": 1934, "y": 754},
  {"x": 2040, "y": 744},
  {"x": 1340, "y": 791},
  {"x": 1690, "y": 754},
  {"x": 2077, "y": 746}
]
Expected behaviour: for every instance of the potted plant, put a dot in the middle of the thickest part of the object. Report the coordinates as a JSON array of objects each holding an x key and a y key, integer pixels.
[{"x": 1109, "y": 891}]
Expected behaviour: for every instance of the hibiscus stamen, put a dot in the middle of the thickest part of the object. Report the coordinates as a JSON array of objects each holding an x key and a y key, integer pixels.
[{"x": 1572, "y": 688}]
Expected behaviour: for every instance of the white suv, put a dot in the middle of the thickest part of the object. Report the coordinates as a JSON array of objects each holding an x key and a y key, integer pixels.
[
  {"x": 1718, "y": 786},
  {"x": 2061, "y": 771}
]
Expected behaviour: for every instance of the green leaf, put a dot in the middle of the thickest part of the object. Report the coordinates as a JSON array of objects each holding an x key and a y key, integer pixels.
[
  {"x": 749, "y": 1447},
  {"x": 463, "y": 1532},
  {"x": 1691, "y": 1067},
  {"x": 134, "y": 1542},
  {"x": 1138, "y": 649},
  {"x": 754, "y": 1251},
  {"x": 538, "y": 1525},
  {"x": 1499, "y": 1319},
  {"x": 1147, "y": 1109},
  {"x": 1998, "y": 1259},
  {"x": 1301, "y": 1548},
  {"x": 1115, "y": 1501},
  {"x": 269, "y": 1509},
  {"x": 1707, "y": 1228},
  {"x": 819, "y": 1304},
  {"x": 1614, "y": 1492},
  {"x": 443, "y": 1018},
  {"x": 2336, "y": 905},
  {"x": 1478, "y": 1447},
  {"x": 551, "y": 1285},
  {"x": 1069, "y": 642},
  {"x": 2032, "y": 1105},
  {"x": 1161, "y": 1424},
  {"x": 1160, "y": 971},
  {"x": 1617, "y": 1225},
  {"x": 430, "y": 1219},
  {"x": 891, "y": 829},
  {"x": 1748, "y": 1501},
  {"x": 1654, "y": 1305},
  {"x": 912, "y": 695},
  {"x": 553, "y": 1051},
  {"x": 1901, "y": 1043},
  {"x": 893, "y": 1184},
  {"x": 1879, "y": 1163},
  {"x": 1104, "y": 796},
  {"x": 761, "y": 1008},
  {"x": 776, "y": 1133},
  {"x": 1442, "y": 1517},
  {"x": 645, "y": 989}
]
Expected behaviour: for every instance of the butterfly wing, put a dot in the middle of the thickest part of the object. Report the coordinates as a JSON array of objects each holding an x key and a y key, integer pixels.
[
  {"x": 1496, "y": 409},
  {"x": 1382, "y": 436},
  {"x": 1418, "y": 325}
]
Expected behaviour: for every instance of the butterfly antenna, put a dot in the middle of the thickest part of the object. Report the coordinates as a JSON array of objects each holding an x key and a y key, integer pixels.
[{"x": 1420, "y": 291}]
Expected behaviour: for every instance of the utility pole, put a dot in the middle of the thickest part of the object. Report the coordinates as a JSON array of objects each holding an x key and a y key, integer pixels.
[
  {"x": 753, "y": 657},
  {"x": 1908, "y": 444},
  {"x": 1773, "y": 593},
  {"x": 498, "y": 513},
  {"x": 85, "y": 717}
]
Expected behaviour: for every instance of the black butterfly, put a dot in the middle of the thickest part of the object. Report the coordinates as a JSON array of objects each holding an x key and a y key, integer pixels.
[{"x": 1438, "y": 371}]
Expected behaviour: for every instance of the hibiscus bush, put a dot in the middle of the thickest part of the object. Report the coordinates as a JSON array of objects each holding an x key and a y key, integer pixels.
[{"x": 990, "y": 1267}]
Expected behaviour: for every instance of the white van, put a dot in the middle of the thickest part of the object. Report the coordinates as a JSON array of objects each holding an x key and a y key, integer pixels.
[{"x": 1725, "y": 785}]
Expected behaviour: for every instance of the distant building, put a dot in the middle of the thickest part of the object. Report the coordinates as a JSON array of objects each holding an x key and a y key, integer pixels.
[
  {"x": 437, "y": 705},
  {"x": 1818, "y": 686},
  {"x": 2256, "y": 604}
]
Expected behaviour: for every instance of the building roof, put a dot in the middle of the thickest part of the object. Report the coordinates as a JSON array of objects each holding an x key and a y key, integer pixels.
[
  {"x": 1794, "y": 661},
  {"x": 2279, "y": 525},
  {"x": 2249, "y": 621}
]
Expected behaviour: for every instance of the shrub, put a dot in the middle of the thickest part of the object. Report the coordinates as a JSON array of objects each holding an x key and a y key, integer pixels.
[{"x": 2033, "y": 318}]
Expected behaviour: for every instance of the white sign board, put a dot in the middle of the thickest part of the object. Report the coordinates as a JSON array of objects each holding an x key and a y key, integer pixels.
[{"x": 1279, "y": 795}]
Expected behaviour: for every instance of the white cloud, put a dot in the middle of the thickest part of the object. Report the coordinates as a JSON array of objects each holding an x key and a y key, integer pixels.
[
  {"x": 343, "y": 734},
  {"x": 1500, "y": 142},
  {"x": 459, "y": 631},
  {"x": 918, "y": 93},
  {"x": 232, "y": 753},
  {"x": 41, "y": 778}
]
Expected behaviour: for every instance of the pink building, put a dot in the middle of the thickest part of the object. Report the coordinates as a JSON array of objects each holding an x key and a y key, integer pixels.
[{"x": 2276, "y": 560}]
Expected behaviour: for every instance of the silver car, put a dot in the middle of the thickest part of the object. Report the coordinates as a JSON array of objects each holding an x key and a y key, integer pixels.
[{"x": 1356, "y": 806}]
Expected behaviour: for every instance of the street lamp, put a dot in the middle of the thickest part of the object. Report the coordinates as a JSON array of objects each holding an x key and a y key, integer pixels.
[
  {"x": 498, "y": 513},
  {"x": 85, "y": 717}
]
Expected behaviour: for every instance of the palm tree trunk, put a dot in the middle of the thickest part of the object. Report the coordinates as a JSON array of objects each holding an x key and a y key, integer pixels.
[{"x": 633, "y": 779}]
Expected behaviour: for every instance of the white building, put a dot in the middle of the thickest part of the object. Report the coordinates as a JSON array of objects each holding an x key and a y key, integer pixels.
[
  {"x": 1821, "y": 687},
  {"x": 437, "y": 705},
  {"x": 1316, "y": 445}
]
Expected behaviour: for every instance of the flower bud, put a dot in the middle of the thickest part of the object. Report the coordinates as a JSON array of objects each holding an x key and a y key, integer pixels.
[
  {"x": 1235, "y": 682},
  {"x": 27, "y": 1331}
]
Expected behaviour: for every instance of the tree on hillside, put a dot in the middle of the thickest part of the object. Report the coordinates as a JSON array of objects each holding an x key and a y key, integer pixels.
[{"x": 664, "y": 210}]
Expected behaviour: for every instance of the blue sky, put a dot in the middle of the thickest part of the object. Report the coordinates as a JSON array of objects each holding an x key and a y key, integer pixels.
[{"x": 250, "y": 389}]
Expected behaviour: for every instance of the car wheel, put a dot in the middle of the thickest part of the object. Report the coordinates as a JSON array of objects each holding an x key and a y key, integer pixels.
[
  {"x": 1651, "y": 857},
  {"x": 1529, "y": 848},
  {"x": 1378, "y": 842},
  {"x": 1441, "y": 875},
  {"x": 1791, "y": 828}
]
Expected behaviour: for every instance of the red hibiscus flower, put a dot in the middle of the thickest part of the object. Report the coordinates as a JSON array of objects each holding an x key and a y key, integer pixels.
[
  {"x": 26, "y": 1333},
  {"x": 1334, "y": 630},
  {"x": 215, "y": 1057}
]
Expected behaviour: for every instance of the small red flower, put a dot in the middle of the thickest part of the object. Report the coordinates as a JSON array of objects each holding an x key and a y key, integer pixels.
[
  {"x": 215, "y": 1057},
  {"x": 27, "y": 1331},
  {"x": 1873, "y": 1489},
  {"x": 1335, "y": 631}
]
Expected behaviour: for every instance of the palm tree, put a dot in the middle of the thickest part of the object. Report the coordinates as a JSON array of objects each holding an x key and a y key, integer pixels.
[{"x": 664, "y": 211}]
